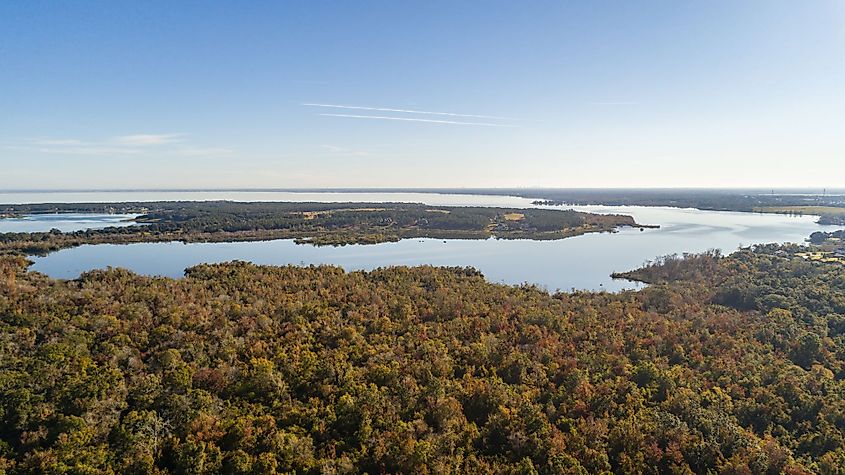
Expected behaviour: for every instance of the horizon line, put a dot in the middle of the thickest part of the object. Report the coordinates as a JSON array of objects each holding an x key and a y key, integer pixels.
[{"x": 420, "y": 189}]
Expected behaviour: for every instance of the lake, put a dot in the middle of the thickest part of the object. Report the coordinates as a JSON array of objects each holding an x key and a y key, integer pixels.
[
  {"x": 582, "y": 262},
  {"x": 65, "y": 222}
]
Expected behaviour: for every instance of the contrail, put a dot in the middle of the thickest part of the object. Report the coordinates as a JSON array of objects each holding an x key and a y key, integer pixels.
[
  {"x": 406, "y": 111},
  {"x": 408, "y": 119}
]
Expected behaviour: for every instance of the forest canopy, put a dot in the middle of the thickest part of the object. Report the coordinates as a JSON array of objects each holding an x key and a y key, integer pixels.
[{"x": 732, "y": 364}]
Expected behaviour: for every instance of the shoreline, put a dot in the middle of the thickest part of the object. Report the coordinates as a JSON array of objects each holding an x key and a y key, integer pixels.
[{"x": 319, "y": 224}]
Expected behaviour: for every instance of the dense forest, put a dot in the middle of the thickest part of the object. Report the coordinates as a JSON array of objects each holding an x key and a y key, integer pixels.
[
  {"x": 829, "y": 204},
  {"x": 315, "y": 223},
  {"x": 707, "y": 199},
  {"x": 829, "y": 208},
  {"x": 746, "y": 200},
  {"x": 820, "y": 237},
  {"x": 724, "y": 364}
]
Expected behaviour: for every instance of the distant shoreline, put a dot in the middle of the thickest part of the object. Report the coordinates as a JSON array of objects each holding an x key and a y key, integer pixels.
[{"x": 331, "y": 224}]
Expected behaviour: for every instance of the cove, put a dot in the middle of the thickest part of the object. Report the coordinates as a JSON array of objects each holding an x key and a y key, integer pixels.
[{"x": 582, "y": 262}]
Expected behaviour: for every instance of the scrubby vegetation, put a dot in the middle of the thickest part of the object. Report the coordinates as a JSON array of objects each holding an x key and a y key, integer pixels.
[
  {"x": 315, "y": 223},
  {"x": 747, "y": 200},
  {"x": 829, "y": 215},
  {"x": 822, "y": 237},
  {"x": 731, "y": 364},
  {"x": 830, "y": 208}
]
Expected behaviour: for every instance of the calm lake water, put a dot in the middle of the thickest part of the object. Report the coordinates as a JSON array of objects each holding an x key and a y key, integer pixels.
[
  {"x": 583, "y": 262},
  {"x": 63, "y": 222}
]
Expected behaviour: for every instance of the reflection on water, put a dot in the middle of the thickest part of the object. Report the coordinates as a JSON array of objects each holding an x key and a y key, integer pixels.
[
  {"x": 583, "y": 262},
  {"x": 553, "y": 264},
  {"x": 63, "y": 222}
]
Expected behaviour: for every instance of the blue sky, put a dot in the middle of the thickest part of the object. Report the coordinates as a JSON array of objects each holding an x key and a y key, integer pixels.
[{"x": 193, "y": 94}]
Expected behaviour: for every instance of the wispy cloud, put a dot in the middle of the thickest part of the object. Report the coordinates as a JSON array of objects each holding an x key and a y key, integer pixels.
[
  {"x": 408, "y": 115},
  {"x": 135, "y": 144},
  {"x": 58, "y": 142},
  {"x": 411, "y": 119},
  {"x": 344, "y": 152},
  {"x": 75, "y": 150},
  {"x": 147, "y": 139},
  {"x": 70, "y": 147},
  {"x": 406, "y": 111},
  {"x": 203, "y": 151}
]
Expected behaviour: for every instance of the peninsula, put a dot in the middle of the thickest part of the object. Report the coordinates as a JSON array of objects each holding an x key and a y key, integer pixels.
[{"x": 312, "y": 223}]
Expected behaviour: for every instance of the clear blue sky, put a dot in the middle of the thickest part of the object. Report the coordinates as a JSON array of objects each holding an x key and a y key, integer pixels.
[{"x": 191, "y": 94}]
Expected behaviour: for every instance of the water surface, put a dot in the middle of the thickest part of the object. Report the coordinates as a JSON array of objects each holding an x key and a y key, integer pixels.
[
  {"x": 582, "y": 262},
  {"x": 65, "y": 222}
]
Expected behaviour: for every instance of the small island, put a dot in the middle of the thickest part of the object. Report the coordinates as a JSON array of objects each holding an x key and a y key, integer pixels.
[{"x": 312, "y": 223}]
